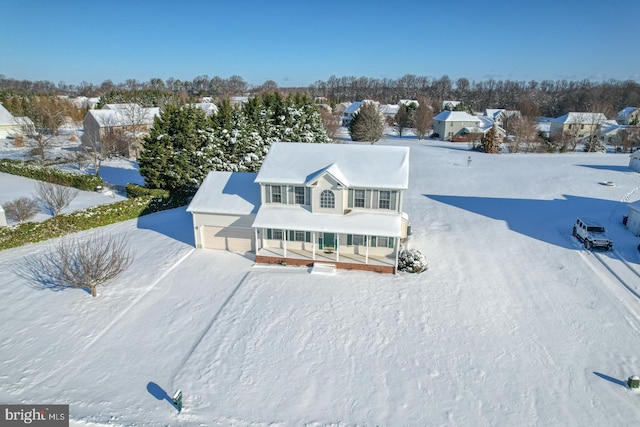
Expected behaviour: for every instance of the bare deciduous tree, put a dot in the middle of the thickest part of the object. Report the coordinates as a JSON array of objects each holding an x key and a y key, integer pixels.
[
  {"x": 423, "y": 119},
  {"x": 525, "y": 135},
  {"x": 84, "y": 263},
  {"x": 330, "y": 122},
  {"x": 47, "y": 115},
  {"x": 403, "y": 119},
  {"x": 628, "y": 138},
  {"x": 21, "y": 209},
  {"x": 55, "y": 197}
]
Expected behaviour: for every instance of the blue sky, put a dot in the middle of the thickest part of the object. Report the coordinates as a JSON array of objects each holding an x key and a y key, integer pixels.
[{"x": 296, "y": 43}]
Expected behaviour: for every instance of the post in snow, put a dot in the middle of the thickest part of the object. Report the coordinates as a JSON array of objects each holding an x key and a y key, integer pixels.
[{"x": 177, "y": 400}]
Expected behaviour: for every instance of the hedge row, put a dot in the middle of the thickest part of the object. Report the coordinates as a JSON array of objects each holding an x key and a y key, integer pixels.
[{"x": 50, "y": 174}]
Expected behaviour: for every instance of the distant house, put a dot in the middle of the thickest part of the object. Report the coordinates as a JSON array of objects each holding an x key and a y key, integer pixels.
[
  {"x": 628, "y": 116},
  {"x": 120, "y": 125},
  {"x": 448, "y": 124},
  {"x": 310, "y": 203},
  {"x": 576, "y": 125},
  {"x": 238, "y": 101},
  {"x": 389, "y": 111},
  {"x": 9, "y": 125},
  {"x": 633, "y": 218},
  {"x": 449, "y": 105},
  {"x": 501, "y": 116},
  {"x": 352, "y": 109},
  {"x": 209, "y": 108}
]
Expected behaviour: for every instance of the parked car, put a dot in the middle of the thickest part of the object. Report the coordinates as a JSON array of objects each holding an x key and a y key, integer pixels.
[{"x": 592, "y": 234}]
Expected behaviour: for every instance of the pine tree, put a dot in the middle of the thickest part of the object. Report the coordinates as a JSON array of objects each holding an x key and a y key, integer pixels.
[
  {"x": 367, "y": 124},
  {"x": 491, "y": 141},
  {"x": 172, "y": 155}
]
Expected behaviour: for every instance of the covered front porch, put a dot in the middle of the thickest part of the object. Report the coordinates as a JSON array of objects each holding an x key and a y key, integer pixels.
[{"x": 347, "y": 261}]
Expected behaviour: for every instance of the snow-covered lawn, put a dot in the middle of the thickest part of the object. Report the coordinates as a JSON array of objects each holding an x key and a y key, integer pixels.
[{"x": 514, "y": 323}]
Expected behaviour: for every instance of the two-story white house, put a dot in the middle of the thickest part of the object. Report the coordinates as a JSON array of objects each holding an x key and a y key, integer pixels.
[{"x": 326, "y": 203}]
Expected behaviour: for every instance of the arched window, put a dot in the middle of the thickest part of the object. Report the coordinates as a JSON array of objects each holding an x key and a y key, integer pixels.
[{"x": 327, "y": 199}]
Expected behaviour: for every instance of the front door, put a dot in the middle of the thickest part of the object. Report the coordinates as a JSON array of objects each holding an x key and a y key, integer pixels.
[{"x": 329, "y": 241}]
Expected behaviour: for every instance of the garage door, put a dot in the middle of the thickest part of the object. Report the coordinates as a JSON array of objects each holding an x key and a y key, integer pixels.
[{"x": 228, "y": 238}]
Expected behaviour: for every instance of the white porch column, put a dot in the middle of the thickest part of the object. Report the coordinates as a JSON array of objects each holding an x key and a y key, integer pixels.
[
  {"x": 337, "y": 247},
  {"x": 366, "y": 250},
  {"x": 255, "y": 237},
  {"x": 313, "y": 244},
  {"x": 396, "y": 246},
  {"x": 284, "y": 243}
]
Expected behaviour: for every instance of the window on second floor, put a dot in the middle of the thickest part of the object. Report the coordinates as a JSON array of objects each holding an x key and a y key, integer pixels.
[
  {"x": 299, "y": 195},
  {"x": 384, "y": 202},
  {"x": 358, "y": 198},
  {"x": 327, "y": 199},
  {"x": 276, "y": 194}
]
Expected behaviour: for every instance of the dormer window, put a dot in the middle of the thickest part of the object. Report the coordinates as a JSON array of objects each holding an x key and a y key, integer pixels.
[{"x": 327, "y": 199}]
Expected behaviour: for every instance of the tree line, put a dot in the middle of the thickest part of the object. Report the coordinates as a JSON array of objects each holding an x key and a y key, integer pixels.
[{"x": 550, "y": 98}]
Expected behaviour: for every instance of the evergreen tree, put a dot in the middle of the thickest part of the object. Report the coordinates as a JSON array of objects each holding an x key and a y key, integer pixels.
[
  {"x": 491, "y": 141},
  {"x": 367, "y": 124},
  {"x": 173, "y": 154}
]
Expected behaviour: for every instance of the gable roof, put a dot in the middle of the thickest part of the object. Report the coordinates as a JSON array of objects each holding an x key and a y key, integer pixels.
[
  {"x": 119, "y": 117},
  {"x": 581, "y": 118},
  {"x": 456, "y": 116},
  {"x": 365, "y": 166},
  {"x": 494, "y": 112},
  {"x": 6, "y": 118},
  {"x": 626, "y": 111},
  {"x": 229, "y": 193}
]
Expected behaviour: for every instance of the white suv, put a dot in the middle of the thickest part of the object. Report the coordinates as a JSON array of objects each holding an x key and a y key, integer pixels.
[{"x": 591, "y": 234}]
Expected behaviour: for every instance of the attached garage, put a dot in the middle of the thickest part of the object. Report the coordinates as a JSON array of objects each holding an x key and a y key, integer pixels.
[
  {"x": 232, "y": 239},
  {"x": 224, "y": 209}
]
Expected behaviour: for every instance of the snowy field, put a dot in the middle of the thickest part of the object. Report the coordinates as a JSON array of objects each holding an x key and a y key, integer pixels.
[{"x": 514, "y": 323}]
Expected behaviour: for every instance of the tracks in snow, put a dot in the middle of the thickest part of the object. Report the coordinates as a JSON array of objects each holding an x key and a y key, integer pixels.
[{"x": 627, "y": 276}]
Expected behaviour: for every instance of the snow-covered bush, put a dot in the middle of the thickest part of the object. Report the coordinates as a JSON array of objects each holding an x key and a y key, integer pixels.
[{"x": 412, "y": 261}]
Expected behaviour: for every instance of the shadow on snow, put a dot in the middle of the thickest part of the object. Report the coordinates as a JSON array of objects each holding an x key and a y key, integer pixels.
[
  {"x": 174, "y": 223},
  {"x": 550, "y": 221}
]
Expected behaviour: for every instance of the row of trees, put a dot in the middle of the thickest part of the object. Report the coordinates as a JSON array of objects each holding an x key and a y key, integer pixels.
[
  {"x": 550, "y": 98},
  {"x": 184, "y": 143}
]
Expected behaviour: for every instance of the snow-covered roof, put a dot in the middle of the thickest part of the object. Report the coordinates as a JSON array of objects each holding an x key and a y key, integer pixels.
[
  {"x": 355, "y": 222},
  {"x": 456, "y": 116},
  {"x": 365, "y": 166},
  {"x": 610, "y": 127},
  {"x": 208, "y": 107},
  {"x": 449, "y": 103},
  {"x": 119, "y": 116},
  {"x": 6, "y": 118},
  {"x": 229, "y": 193},
  {"x": 353, "y": 108},
  {"x": 583, "y": 118},
  {"x": 389, "y": 109},
  {"x": 626, "y": 111},
  {"x": 493, "y": 112}
]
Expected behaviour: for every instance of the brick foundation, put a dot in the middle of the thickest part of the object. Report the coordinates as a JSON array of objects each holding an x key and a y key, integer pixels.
[{"x": 389, "y": 269}]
